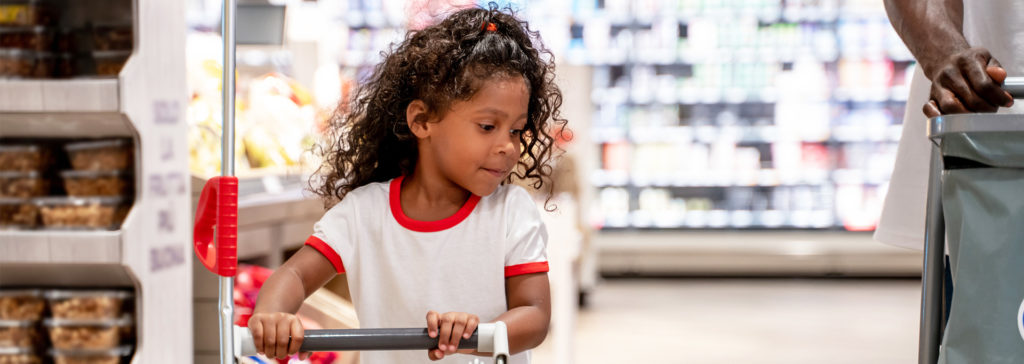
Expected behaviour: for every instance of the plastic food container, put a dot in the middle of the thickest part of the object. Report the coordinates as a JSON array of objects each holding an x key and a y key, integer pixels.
[
  {"x": 20, "y": 63},
  {"x": 23, "y": 184},
  {"x": 34, "y": 38},
  {"x": 79, "y": 356},
  {"x": 112, "y": 37},
  {"x": 87, "y": 334},
  {"x": 100, "y": 155},
  {"x": 95, "y": 183},
  {"x": 24, "y": 157},
  {"x": 89, "y": 305},
  {"x": 25, "y": 12},
  {"x": 109, "y": 63},
  {"x": 27, "y": 304},
  {"x": 18, "y": 213},
  {"x": 81, "y": 212},
  {"x": 18, "y": 333},
  {"x": 13, "y": 355}
]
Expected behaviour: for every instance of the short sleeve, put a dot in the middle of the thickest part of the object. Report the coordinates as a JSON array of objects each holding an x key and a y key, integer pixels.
[
  {"x": 527, "y": 237},
  {"x": 334, "y": 233}
]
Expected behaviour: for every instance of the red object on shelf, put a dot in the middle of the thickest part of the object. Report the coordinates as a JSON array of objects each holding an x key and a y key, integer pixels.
[{"x": 218, "y": 211}]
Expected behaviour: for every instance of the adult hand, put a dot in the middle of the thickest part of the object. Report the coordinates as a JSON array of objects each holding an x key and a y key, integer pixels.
[{"x": 967, "y": 82}]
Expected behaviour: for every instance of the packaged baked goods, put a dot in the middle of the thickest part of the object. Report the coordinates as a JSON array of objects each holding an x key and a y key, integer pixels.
[
  {"x": 95, "y": 183},
  {"x": 109, "y": 63},
  {"x": 82, "y": 304},
  {"x": 86, "y": 333},
  {"x": 112, "y": 37},
  {"x": 33, "y": 38},
  {"x": 100, "y": 155},
  {"x": 26, "y": 12},
  {"x": 23, "y": 184},
  {"x": 19, "y": 333},
  {"x": 20, "y": 63},
  {"x": 17, "y": 213},
  {"x": 82, "y": 356},
  {"x": 24, "y": 157},
  {"x": 81, "y": 212},
  {"x": 18, "y": 355},
  {"x": 21, "y": 304}
]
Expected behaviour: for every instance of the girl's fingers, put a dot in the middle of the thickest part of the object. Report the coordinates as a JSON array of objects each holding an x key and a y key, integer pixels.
[
  {"x": 435, "y": 354},
  {"x": 446, "y": 332},
  {"x": 270, "y": 340},
  {"x": 297, "y": 333},
  {"x": 283, "y": 332},
  {"x": 256, "y": 327},
  {"x": 458, "y": 327},
  {"x": 471, "y": 325},
  {"x": 432, "y": 321}
]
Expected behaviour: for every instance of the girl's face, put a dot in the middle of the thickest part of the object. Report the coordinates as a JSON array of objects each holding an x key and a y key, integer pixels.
[{"x": 476, "y": 144}]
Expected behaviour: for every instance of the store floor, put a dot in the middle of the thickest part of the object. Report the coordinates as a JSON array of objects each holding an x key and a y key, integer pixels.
[{"x": 726, "y": 321}]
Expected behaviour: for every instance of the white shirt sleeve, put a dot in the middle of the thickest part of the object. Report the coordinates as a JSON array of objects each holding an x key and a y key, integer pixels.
[
  {"x": 333, "y": 235},
  {"x": 527, "y": 237}
]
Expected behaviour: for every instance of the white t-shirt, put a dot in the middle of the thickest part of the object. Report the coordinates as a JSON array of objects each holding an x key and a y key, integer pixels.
[
  {"x": 399, "y": 268},
  {"x": 997, "y": 25}
]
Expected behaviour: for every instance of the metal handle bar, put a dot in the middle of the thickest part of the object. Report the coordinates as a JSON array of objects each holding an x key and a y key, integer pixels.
[
  {"x": 1015, "y": 86},
  {"x": 488, "y": 338}
]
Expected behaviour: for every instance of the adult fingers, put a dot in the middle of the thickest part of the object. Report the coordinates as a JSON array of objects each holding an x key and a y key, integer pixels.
[
  {"x": 954, "y": 79},
  {"x": 946, "y": 100},
  {"x": 998, "y": 74},
  {"x": 975, "y": 71}
]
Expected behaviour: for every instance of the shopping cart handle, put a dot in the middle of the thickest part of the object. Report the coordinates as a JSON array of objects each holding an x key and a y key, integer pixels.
[
  {"x": 1015, "y": 86},
  {"x": 488, "y": 338}
]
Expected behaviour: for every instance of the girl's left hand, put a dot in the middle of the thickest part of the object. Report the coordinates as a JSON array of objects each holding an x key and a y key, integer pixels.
[{"x": 449, "y": 329}]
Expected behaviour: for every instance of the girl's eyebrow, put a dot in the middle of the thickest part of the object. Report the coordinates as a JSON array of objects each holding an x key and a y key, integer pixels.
[{"x": 500, "y": 113}]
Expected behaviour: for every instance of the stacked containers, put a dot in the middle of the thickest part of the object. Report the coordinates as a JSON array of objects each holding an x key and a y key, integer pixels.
[
  {"x": 21, "y": 180},
  {"x": 83, "y": 327},
  {"x": 20, "y": 336},
  {"x": 89, "y": 327},
  {"x": 27, "y": 46},
  {"x": 98, "y": 186}
]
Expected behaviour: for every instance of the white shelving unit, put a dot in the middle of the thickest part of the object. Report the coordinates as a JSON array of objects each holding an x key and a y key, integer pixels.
[{"x": 150, "y": 251}]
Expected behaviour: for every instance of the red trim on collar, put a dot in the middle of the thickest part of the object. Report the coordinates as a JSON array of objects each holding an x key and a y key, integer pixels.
[{"x": 395, "y": 200}]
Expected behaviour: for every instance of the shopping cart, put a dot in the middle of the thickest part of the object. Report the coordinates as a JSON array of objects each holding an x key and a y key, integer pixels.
[
  {"x": 216, "y": 234},
  {"x": 954, "y": 136}
]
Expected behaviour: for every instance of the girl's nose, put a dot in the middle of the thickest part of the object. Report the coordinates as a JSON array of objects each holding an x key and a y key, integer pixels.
[{"x": 507, "y": 146}]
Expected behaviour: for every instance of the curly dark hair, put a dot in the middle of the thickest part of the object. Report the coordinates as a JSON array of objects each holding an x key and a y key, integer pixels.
[{"x": 369, "y": 139}]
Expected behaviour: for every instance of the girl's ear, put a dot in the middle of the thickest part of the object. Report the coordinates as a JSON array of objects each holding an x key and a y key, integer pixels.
[{"x": 416, "y": 115}]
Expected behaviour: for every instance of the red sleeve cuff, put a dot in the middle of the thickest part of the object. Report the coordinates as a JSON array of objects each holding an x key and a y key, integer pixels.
[
  {"x": 328, "y": 253},
  {"x": 526, "y": 268}
]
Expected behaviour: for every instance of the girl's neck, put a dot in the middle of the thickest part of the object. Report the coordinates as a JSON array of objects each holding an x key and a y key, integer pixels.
[{"x": 426, "y": 195}]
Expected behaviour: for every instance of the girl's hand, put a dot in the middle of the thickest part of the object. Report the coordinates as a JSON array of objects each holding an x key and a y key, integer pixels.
[
  {"x": 449, "y": 329},
  {"x": 277, "y": 335}
]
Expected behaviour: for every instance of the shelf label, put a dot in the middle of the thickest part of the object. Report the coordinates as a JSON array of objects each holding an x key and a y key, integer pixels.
[
  {"x": 166, "y": 112},
  {"x": 164, "y": 257}
]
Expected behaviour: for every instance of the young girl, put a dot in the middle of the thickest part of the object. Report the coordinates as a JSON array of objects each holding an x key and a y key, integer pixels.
[{"x": 425, "y": 224}]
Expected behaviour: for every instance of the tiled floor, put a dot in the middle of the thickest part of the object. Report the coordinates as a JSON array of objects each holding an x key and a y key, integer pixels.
[{"x": 725, "y": 321}]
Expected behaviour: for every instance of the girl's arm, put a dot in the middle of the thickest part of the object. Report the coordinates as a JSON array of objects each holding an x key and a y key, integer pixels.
[
  {"x": 529, "y": 310},
  {"x": 275, "y": 329}
]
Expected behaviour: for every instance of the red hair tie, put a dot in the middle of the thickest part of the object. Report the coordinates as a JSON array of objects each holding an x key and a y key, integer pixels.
[{"x": 490, "y": 27}]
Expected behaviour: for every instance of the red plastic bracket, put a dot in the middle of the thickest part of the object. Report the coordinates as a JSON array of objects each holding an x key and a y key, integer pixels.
[{"x": 217, "y": 214}]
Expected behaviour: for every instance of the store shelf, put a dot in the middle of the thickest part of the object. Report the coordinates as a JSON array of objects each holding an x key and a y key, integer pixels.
[
  {"x": 100, "y": 94},
  {"x": 752, "y": 253},
  {"x": 72, "y": 247},
  {"x": 65, "y": 125}
]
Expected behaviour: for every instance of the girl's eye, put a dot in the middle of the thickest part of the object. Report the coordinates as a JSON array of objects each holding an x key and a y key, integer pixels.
[{"x": 486, "y": 127}]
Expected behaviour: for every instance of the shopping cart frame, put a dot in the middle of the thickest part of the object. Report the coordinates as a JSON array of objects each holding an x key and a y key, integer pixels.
[{"x": 933, "y": 304}]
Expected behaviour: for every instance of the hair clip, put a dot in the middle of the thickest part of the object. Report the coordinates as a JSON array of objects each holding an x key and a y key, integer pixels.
[{"x": 488, "y": 26}]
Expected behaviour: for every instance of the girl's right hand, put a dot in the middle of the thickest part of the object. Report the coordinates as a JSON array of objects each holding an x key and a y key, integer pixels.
[{"x": 277, "y": 335}]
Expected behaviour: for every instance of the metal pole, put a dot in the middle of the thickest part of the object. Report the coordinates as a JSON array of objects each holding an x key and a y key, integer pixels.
[
  {"x": 1015, "y": 86},
  {"x": 225, "y": 300},
  {"x": 934, "y": 252}
]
